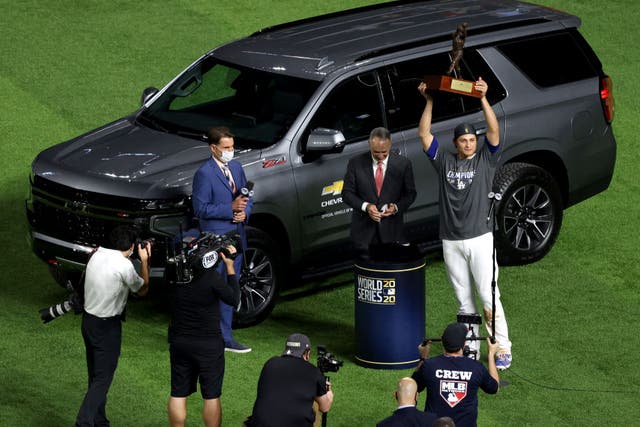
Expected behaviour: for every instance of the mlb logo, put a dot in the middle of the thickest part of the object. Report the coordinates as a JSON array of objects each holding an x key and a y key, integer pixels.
[{"x": 453, "y": 391}]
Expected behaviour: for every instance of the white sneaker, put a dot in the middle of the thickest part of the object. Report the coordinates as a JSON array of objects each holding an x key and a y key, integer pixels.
[{"x": 503, "y": 361}]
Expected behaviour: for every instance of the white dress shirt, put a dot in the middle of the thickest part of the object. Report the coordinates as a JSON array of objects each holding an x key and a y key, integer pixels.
[{"x": 108, "y": 279}]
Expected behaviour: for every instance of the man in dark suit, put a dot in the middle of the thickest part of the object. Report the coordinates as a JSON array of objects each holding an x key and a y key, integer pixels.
[
  {"x": 220, "y": 208},
  {"x": 407, "y": 415},
  {"x": 379, "y": 187}
]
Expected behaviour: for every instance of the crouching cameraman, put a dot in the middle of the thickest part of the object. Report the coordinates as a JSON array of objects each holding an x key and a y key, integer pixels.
[
  {"x": 288, "y": 387},
  {"x": 109, "y": 278}
]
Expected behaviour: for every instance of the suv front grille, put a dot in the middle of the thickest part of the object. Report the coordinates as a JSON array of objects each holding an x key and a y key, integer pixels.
[
  {"x": 85, "y": 217},
  {"x": 66, "y": 223}
]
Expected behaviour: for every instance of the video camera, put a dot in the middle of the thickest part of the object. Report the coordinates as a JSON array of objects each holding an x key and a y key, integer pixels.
[
  {"x": 470, "y": 319},
  {"x": 327, "y": 362},
  {"x": 201, "y": 254}
]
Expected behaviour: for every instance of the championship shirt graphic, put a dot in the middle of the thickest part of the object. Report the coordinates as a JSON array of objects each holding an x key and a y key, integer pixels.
[
  {"x": 453, "y": 391},
  {"x": 460, "y": 179}
]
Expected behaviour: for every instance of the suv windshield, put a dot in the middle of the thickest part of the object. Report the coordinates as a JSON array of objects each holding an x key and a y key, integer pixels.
[{"x": 258, "y": 106}]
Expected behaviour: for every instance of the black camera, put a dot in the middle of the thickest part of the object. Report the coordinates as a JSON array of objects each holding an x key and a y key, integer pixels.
[
  {"x": 327, "y": 362},
  {"x": 145, "y": 242},
  {"x": 74, "y": 302},
  {"x": 470, "y": 319},
  {"x": 201, "y": 254}
]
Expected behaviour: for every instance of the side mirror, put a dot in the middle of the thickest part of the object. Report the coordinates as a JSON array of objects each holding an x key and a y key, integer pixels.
[
  {"x": 147, "y": 94},
  {"x": 323, "y": 140}
]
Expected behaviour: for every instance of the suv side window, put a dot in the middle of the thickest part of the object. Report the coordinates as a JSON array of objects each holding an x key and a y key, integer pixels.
[
  {"x": 405, "y": 104},
  {"x": 549, "y": 60},
  {"x": 353, "y": 107}
]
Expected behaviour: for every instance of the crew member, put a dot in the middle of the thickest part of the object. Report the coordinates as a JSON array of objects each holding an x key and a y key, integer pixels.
[
  {"x": 407, "y": 415},
  {"x": 196, "y": 346},
  {"x": 452, "y": 380},
  {"x": 109, "y": 278},
  {"x": 220, "y": 207},
  {"x": 465, "y": 181},
  {"x": 379, "y": 186},
  {"x": 288, "y": 387}
]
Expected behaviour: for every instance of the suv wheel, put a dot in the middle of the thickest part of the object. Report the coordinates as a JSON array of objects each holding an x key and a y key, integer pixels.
[
  {"x": 260, "y": 279},
  {"x": 529, "y": 216}
]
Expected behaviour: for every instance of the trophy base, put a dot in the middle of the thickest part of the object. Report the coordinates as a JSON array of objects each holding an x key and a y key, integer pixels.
[{"x": 450, "y": 84}]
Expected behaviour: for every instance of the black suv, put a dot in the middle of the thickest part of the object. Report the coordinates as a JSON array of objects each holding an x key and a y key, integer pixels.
[{"x": 301, "y": 99}]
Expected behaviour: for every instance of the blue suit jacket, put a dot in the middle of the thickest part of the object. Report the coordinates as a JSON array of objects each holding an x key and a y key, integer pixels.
[
  {"x": 212, "y": 197},
  {"x": 407, "y": 417}
]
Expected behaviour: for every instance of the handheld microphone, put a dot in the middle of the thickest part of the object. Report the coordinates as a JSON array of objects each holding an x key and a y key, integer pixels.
[
  {"x": 247, "y": 190},
  {"x": 494, "y": 197}
]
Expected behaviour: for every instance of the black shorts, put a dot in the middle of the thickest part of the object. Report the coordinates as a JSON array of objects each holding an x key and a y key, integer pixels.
[{"x": 193, "y": 358}]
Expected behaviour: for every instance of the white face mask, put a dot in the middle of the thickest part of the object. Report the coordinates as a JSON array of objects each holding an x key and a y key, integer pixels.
[{"x": 226, "y": 156}]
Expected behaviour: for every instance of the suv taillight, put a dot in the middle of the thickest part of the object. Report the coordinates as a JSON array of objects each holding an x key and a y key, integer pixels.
[{"x": 606, "y": 96}]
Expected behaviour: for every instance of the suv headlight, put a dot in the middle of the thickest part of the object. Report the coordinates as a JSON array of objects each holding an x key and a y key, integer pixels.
[{"x": 153, "y": 205}]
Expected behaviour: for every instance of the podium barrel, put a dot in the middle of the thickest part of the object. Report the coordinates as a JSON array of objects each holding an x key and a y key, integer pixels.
[{"x": 389, "y": 313}]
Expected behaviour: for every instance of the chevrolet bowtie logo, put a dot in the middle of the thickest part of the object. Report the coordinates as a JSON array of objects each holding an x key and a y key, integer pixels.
[{"x": 334, "y": 189}]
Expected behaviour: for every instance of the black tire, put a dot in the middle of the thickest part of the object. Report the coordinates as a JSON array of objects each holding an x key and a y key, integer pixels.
[
  {"x": 529, "y": 216},
  {"x": 260, "y": 279}
]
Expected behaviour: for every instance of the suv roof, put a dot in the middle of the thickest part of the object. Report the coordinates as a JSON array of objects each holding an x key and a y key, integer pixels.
[{"x": 314, "y": 47}]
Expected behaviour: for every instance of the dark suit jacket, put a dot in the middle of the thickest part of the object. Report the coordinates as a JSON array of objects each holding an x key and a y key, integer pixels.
[
  {"x": 359, "y": 186},
  {"x": 408, "y": 417},
  {"x": 212, "y": 197}
]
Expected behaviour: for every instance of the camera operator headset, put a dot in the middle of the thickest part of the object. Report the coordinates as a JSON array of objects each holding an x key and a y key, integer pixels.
[{"x": 109, "y": 278}]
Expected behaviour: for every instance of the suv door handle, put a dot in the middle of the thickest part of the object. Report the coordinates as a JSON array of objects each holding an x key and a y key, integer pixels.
[{"x": 481, "y": 131}]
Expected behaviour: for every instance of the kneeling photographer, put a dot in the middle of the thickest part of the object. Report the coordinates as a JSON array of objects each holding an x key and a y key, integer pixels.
[
  {"x": 288, "y": 387},
  {"x": 109, "y": 277},
  {"x": 196, "y": 346}
]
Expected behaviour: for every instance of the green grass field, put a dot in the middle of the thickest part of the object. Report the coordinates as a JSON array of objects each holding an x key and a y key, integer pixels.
[{"x": 69, "y": 66}]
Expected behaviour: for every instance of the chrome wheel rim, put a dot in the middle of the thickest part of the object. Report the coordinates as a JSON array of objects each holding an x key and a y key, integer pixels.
[
  {"x": 256, "y": 283},
  {"x": 528, "y": 217}
]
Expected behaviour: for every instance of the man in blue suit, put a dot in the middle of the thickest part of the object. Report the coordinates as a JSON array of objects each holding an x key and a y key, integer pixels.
[
  {"x": 407, "y": 415},
  {"x": 220, "y": 208}
]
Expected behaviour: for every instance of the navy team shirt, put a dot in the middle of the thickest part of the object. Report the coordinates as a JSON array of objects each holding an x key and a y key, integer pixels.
[{"x": 452, "y": 384}]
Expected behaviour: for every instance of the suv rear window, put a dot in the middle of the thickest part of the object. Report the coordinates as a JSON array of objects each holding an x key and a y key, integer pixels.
[{"x": 549, "y": 60}]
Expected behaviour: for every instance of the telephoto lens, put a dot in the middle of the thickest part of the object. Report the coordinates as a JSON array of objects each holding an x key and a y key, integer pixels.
[{"x": 48, "y": 314}]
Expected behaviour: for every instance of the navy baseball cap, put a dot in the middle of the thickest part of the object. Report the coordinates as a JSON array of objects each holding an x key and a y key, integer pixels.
[
  {"x": 454, "y": 337},
  {"x": 463, "y": 129}
]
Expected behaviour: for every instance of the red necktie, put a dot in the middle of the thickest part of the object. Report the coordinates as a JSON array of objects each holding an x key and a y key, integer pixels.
[{"x": 379, "y": 177}]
